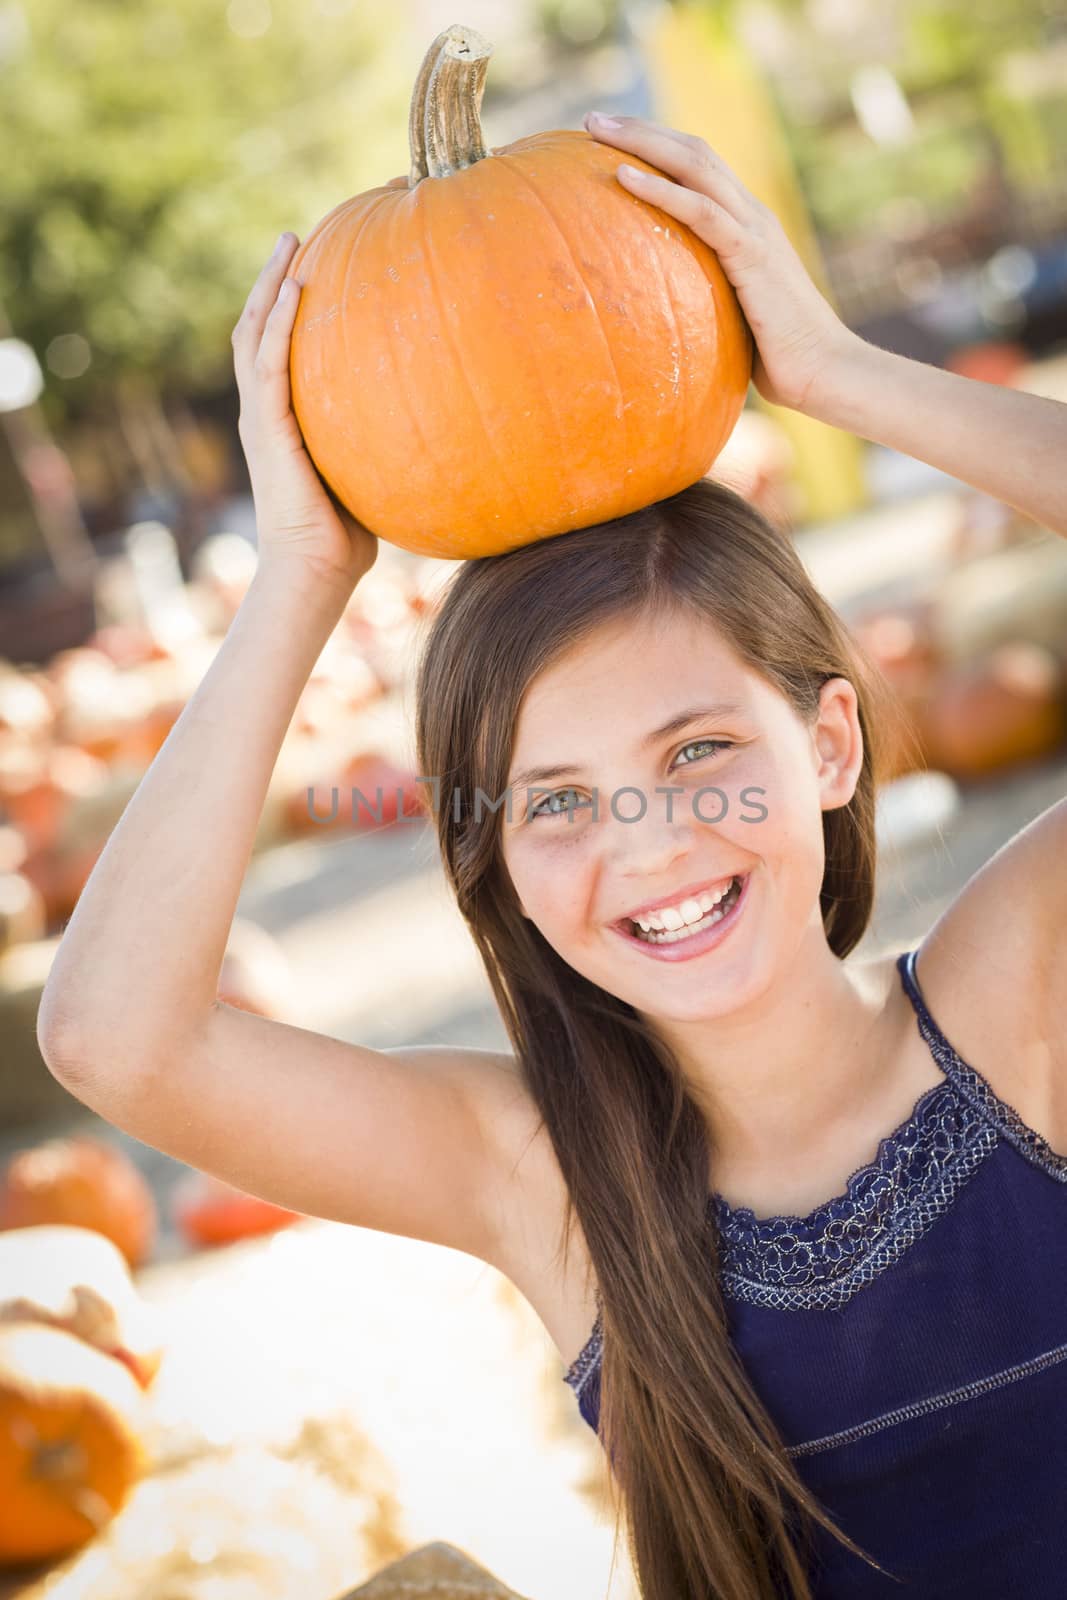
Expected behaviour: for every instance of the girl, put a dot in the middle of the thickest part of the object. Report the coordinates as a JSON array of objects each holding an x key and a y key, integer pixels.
[{"x": 656, "y": 762}]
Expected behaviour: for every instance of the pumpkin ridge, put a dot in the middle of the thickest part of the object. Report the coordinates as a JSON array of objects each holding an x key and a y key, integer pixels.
[
  {"x": 341, "y": 215},
  {"x": 345, "y": 301},
  {"x": 515, "y": 167},
  {"x": 410, "y": 403},
  {"x": 446, "y": 324},
  {"x": 679, "y": 454}
]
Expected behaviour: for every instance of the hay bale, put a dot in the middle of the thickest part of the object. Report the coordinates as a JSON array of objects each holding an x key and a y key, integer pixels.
[{"x": 435, "y": 1571}]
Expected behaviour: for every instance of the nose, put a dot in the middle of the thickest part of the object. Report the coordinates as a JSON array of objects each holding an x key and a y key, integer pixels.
[{"x": 646, "y": 843}]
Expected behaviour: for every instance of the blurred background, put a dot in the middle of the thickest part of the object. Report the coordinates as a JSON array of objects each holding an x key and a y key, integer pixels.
[{"x": 331, "y": 1398}]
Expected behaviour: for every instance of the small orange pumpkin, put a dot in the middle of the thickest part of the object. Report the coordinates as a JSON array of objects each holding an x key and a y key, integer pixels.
[
  {"x": 84, "y": 1182},
  {"x": 1004, "y": 708},
  {"x": 209, "y": 1211},
  {"x": 71, "y": 1448},
  {"x": 509, "y": 345}
]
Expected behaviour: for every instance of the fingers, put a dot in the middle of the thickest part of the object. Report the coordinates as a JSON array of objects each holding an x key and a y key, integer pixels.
[
  {"x": 271, "y": 365},
  {"x": 683, "y": 157},
  {"x": 710, "y": 221},
  {"x": 248, "y": 331}
]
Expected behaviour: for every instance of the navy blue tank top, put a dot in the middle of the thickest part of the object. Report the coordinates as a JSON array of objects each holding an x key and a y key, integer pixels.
[{"x": 909, "y": 1339}]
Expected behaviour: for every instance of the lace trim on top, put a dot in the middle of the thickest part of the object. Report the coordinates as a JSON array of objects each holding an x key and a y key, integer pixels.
[
  {"x": 588, "y": 1358},
  {"x": 823, "y": 1259}
]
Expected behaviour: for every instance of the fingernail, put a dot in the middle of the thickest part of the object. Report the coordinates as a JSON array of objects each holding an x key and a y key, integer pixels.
[
  {"x": 282, "y": 237},
  {"x": 603, "y": 121}
]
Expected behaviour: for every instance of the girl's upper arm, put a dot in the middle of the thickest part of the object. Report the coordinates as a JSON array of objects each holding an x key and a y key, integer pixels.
[
  {"x": 419, "y": 1141},
  {"x": 1006, "y": 926}
]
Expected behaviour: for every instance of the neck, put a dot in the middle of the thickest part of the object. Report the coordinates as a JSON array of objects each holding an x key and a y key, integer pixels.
[{"x": 796, "y": 1060}]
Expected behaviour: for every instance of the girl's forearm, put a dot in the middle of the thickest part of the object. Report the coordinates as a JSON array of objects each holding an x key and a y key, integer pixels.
[
  {"x": 140, "y": 958},
  {"x": 1011, "y": 444}
]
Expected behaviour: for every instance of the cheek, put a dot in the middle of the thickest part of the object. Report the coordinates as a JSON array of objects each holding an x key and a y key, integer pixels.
[
  {"x": 550, "y": 883},
  {"x": 781, "y": 818},
  {"x": 791, "y": 837}
]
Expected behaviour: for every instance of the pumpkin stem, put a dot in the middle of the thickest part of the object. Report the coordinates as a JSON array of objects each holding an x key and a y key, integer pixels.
[{"x": 444, "y": 128}]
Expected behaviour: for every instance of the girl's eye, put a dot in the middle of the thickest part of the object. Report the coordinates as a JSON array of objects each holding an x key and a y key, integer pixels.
[
  {"x": 703, "y": 744},
  {"x": 544, "y": 807},
  {"x": 547, "y": 807}
]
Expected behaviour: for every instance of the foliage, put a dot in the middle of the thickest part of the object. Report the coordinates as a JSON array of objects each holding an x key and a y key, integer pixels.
[
  {"x": 963, "y": 66},
  {"x": 155, "y": 152}
]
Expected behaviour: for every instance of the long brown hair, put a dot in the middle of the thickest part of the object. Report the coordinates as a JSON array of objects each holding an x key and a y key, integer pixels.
[{"x": 712, "y": 1502}]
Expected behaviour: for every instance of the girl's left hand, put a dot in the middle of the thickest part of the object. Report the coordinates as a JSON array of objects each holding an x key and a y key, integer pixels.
[{"x": 799, "y": 337}]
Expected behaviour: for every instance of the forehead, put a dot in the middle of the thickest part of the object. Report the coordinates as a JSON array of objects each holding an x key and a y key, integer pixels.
[{"x": 629, "y": 673}]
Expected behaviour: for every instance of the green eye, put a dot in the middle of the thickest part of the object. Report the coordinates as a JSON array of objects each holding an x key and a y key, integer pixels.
[
  {"x": 544, "y": 807},
  {"x": 705, "y": 744}
]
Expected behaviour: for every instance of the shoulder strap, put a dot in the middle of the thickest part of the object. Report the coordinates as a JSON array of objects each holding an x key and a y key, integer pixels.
[{"x": 973, "y": 1086}]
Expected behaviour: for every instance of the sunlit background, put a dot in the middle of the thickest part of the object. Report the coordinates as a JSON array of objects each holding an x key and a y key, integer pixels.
[{"x": 330, "y": 1398}]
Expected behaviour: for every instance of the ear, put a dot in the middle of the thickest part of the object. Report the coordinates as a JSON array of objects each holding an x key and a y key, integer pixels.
[{"x": 838, "y": 743}]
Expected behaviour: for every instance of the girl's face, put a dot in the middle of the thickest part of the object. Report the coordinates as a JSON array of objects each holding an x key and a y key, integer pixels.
[{"x": 640, "y": 707}]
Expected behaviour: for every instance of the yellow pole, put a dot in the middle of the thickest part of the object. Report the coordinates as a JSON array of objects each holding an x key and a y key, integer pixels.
[{"x": 705, "y": 82}]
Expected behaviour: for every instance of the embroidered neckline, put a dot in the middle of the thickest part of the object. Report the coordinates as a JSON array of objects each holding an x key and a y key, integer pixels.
[
  {"x": 738, "y": 1221},
  {"x": 824, "y": 1258}
]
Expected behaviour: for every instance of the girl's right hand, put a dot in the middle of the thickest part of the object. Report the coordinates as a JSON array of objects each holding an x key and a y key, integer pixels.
[{"x": 298, "y": 519}]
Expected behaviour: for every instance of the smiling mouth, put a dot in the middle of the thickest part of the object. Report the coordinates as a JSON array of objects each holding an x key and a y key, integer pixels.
[{"x": 708, "y": 919}]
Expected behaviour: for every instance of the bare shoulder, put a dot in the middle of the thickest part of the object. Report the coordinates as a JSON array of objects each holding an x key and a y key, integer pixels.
[
  {"x": 993, "y": 972},
  {"x": 529, "y": 1204}
]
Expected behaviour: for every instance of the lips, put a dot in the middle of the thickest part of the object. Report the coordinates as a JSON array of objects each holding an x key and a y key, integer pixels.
[{"x": 689, "y": 892}]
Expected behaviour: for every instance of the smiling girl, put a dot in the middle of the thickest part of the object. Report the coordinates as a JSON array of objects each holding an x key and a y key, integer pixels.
[{"x": 799, "y": 1244}]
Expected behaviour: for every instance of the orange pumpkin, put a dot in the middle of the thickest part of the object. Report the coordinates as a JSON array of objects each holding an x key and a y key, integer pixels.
[
  {"x": 366, "y": 791},
  {"x": 60, "y": 874},
  {"x": 1007, "y": 707},
  {"x": 991, "y": 361},
  {"x": 70, "y": 1442},
  {"x": 508, "y": 345},
  {"x": 39, "y": 789},
  {"x": 75, "y": 1279},
  {"x": 209, "y": 1211},
  {"x": 83, "y": 1182}
]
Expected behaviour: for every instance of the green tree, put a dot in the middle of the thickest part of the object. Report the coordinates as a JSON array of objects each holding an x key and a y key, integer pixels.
[{"x": 154, "y": 153}]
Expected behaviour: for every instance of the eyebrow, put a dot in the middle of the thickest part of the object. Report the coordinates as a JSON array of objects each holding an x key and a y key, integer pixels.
[{"x": 724, "y": 710}]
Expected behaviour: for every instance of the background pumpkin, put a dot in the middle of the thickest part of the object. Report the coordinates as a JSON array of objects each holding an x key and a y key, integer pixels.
[
  {"x": 70, "y": 1442},
  {"x": 81, "y": 1181},
  {"x": 209, "y": 1211},
  {"x": 511, "y": 346},
  {"x": 1007, "y": 707}
]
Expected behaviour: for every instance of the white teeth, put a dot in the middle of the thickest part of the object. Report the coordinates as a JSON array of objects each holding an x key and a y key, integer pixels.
[
  {"x": 660, "y": 930},
  {"x": 669, "y": 919}
]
